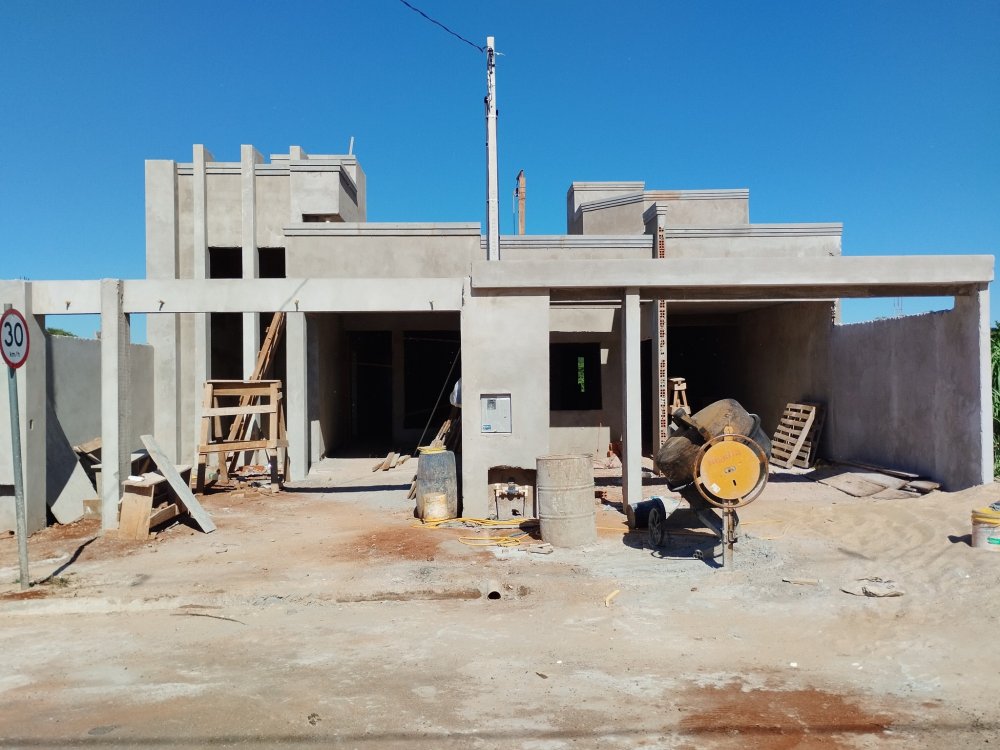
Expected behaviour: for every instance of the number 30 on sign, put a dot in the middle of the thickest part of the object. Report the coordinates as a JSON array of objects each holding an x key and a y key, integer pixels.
[{"x": 14, "y": 342}]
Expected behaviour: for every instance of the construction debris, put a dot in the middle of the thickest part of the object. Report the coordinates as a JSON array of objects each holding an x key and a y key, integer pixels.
[
  {"x": 181, "y": 489},
  {"x": 876, "y": 483}
]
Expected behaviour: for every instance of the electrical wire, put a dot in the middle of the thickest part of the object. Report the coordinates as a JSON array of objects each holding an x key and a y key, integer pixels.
[{"x": 438, "y": 23}]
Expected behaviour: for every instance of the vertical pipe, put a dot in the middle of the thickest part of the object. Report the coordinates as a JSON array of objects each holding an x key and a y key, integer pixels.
[{"x": 522, "y": 192}]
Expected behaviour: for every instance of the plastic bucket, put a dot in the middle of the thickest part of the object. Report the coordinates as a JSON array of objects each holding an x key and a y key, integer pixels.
[
  {"x": 565, "y": 489},
  {"x": 436, "y": 475},
  {"x": 986, "y": 529}
]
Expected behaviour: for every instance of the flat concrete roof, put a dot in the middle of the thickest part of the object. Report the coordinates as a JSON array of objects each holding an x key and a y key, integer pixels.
[{"x": 746, "y": 278}]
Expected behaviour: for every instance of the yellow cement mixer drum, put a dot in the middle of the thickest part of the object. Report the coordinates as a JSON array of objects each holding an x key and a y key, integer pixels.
[{"x": 731, "y": 469}]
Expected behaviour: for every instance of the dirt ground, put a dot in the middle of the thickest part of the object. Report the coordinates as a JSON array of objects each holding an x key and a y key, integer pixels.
[{"x": 326, "y": 616}]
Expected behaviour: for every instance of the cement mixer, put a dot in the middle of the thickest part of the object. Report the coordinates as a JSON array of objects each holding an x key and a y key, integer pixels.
[{"x": 717, "y": 458}]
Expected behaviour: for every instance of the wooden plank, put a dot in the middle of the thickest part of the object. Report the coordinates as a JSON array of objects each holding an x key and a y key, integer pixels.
[
  {"x": 395, "y": 460},
  {"x": 852, "y": 484},
  {"x": 882, "y": 470},
  {"x": 133, "y": 519},
  {"x": 923, "y": 486},
  {"x": 183, "y": 492},
  {"x": 894, "y": 494},
  {"x": 235, "y": 411},
  {"x": 388, "y": 461},
  {"x": 163, "y": 514},
  {"x": 403, "y": 459},
  {"x": 242, "y": 445}
]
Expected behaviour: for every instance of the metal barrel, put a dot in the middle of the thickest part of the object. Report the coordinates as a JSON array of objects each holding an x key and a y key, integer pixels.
[{"x": 565, "y": 488}]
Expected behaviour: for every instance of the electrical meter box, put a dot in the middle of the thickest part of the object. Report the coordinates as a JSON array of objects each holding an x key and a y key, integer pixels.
[{"x": 494, "y": 408}]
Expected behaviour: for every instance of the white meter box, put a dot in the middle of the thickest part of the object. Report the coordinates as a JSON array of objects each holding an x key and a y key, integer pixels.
[{"x": 494, "y": 409}]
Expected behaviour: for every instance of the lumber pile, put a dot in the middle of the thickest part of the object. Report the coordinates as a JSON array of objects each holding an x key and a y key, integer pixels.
[
  {"x": 159, "y": 496},
  {"x": 391, "y": 461}
]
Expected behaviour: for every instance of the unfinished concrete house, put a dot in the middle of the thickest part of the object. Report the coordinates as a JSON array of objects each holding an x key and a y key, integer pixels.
[{"x": 563, "y": 343}]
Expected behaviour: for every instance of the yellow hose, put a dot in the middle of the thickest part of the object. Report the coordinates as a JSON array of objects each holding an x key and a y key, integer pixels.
[{"x": 507, "y": 540}]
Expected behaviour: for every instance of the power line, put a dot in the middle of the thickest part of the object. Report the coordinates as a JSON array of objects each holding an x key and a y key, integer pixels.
[{"x": 438, "y": 23}]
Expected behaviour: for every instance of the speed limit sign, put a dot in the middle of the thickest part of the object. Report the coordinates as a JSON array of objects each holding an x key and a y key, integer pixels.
[{"x": 14, "y": 342}]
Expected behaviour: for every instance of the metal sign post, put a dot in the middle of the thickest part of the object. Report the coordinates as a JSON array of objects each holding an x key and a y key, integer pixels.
[{"x": 14, "y": 345}]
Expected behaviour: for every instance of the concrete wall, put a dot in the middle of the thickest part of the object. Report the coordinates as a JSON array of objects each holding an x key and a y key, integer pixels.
[
  {"x": 74, "y": 387},
  {"x": 754, "y": 241},
  {"x": 225, "y": 214},
  {"x": 493, "y": 328},
  {"x": 702, "y": 208},
  {"x": 620, "y": 207},
  {"x": 272, "y": 208},
  {"x": 381, "y": 251},
  {"x": 906, "y": 393},
  {"x": 783, "y": 357}
]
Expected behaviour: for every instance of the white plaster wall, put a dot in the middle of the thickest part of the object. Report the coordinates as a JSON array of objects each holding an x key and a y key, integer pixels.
[{"x": 505, "y": 349}]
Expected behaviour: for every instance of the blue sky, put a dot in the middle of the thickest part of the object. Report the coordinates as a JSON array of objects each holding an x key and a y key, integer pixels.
[{"x": 883, "y": 115}]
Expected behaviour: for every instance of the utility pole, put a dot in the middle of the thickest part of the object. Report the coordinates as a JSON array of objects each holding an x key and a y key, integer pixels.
[{"x": 492, "y": 184}]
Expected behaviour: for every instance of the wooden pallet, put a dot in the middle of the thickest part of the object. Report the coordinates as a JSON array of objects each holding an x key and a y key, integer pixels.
[
  {"x": 797, "y": 436},
  {"x": 809, "y": 451}
]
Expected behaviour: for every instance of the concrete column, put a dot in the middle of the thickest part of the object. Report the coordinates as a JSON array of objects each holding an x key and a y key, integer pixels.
[
  {"x": 656, "y": 223},
  {"x": 202, "y": 354},
  {"x": 975, "y": 309},
  {"x": 631, "y": 399},
  {"x": 317, "y": 444},
  {"x": 31, "y": 404},
  {"x": 163, "y": 330},
  {"x": 116, "y": 452},
  {"x": 249, "y": 158},
  {"x": 296, "y": 397}
]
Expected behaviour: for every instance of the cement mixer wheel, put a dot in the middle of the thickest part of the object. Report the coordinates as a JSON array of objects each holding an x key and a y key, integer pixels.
[
  {"x": 730, "y": 471},
  {"x": 657, "y": 524}
]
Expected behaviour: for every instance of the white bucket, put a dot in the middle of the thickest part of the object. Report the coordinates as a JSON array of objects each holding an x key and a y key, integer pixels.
[{"x": 986, "y": 529}]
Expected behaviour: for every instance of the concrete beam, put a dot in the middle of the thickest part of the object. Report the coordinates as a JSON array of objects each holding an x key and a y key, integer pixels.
[
  {"x": 115, "y": 449},
  {"x": 749, "y": 278},
  {"x": 260, "y": 295}
]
